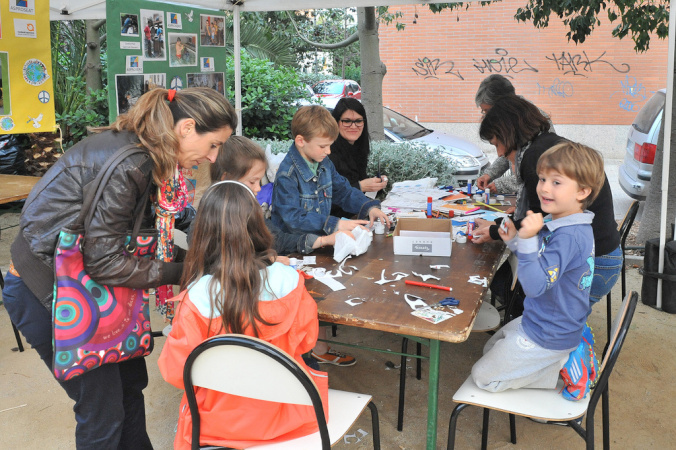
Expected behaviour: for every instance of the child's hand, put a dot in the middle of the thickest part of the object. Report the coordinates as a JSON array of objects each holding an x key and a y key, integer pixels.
[
  {"x": 507, "y": 230},
  {"x": 349, "y": 225},
  {"x": 375, "y": 213},
  {"x": 331, "y": 238},
  {"x": 530, "y": 225},
  {"x": 283, "y": 259}
]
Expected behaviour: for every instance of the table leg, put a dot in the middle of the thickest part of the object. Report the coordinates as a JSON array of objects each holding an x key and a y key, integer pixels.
[{"x": 433, "y": 395}]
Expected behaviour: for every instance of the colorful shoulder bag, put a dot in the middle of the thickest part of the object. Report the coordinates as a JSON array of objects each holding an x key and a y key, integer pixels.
[{"x": 95, "y": 324}]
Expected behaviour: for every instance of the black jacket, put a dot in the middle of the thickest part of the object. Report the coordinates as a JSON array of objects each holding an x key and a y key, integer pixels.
[{"x": 55, "y": 202}]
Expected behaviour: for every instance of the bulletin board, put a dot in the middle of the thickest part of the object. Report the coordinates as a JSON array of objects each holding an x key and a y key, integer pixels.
[
  {"x": 157, "y": 44},
  {"x": 26, "y": 87}
]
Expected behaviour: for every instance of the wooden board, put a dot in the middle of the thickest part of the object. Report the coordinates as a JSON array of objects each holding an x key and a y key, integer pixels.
[{"x": 15, "y": 187}]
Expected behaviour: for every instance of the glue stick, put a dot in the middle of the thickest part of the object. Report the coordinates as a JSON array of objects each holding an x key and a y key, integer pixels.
[
  {"x": 429, "y": 207},
  {"x": 470, "y": 228},
  {"x": 488, "y": 196}
]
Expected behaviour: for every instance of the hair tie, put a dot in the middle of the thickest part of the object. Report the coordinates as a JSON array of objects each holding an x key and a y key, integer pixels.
[
  {"x": 235, "y": 182},
  {"x": 171, "y": 94}
]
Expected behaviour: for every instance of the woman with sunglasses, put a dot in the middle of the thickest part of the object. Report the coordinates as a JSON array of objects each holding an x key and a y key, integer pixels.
[{"x": 350, "y": 151}]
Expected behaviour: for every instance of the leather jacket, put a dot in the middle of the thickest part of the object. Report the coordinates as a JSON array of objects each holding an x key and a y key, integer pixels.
[{"x": 56, "y": 201}]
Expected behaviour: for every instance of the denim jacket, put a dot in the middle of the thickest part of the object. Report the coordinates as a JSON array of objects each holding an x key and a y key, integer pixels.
[{"x": 301, "y": 200}]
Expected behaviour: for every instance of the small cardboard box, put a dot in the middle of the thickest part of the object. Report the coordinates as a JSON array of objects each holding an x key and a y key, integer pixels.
[{"x": 425, "y": 237}]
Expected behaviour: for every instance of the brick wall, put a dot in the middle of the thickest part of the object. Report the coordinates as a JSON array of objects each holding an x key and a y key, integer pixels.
[{"x": 434, "y": 67}]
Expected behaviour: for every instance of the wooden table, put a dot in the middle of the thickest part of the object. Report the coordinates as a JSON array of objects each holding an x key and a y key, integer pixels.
[
  {"x": 385, "y": 309},
  {"x": 15, "y": 187}
]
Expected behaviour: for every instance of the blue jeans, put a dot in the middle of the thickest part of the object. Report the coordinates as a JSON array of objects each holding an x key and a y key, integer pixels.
[
  {"x": 607, "y": 269},
  {"x": 109, "y": 405}
]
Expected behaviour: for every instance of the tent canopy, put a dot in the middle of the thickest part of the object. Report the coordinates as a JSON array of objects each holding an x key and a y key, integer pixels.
[{"x": 96, "y": 9}]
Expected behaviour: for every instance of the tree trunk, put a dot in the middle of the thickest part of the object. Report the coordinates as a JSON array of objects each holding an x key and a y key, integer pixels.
[
  {"x": 372, "y": 71},
  {"x": 93, "y": 65},
  {"x": 650, "y": 221}
]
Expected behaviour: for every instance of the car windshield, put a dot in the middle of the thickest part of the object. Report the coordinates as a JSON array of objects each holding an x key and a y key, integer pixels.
[
  {"x": 328, "y": 87},
  {"x": 647, "y": 115},
  {"x": 402, "y": 126}
]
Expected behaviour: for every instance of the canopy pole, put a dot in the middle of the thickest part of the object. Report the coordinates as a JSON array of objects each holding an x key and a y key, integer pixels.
[
  {"x": 238, "y": 69},
  {"x": 666, "y": 151}
]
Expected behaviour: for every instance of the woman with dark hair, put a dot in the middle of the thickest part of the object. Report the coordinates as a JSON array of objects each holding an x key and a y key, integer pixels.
[
  {"x": 350, "y": 151},
  {"x": 174, "y": 130},
  {"x": 520, "y": 132}
]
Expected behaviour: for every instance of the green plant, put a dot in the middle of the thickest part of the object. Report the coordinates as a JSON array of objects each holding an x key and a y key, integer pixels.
[
  {"x": 313, "y": 78},
  {"x": 92, "y": 112},
  {"x": 400, "y": 162},
  {"x": 353, "y": 73},
  {"x": 269, "y": 97}
]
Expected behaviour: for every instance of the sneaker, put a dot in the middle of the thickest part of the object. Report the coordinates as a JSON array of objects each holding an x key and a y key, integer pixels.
[
  {"x": 335, "y": 358},
  {"x": 575, "y": 373},
  {"x": 588, "y": 338}
]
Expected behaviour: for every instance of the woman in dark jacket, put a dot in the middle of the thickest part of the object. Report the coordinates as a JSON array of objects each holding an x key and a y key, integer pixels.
[
  {"x": 350, "y": 151},
  {"x": 175, "y": 130},
  {"x": 519, "y": 132}
]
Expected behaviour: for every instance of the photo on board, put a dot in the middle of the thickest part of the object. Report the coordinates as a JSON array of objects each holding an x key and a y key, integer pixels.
[
  {"x": 152, "y": 26},
  {"x": 182, "y": 49},
  {"x": 131, "y": 87},
  {"x": 213, "y": 80},
  {"x": 129, "y": 25},
  {"x": 212, "y": 30}
]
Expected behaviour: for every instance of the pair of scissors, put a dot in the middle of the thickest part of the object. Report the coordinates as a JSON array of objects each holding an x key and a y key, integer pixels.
[{"x": 448, "y": 301}]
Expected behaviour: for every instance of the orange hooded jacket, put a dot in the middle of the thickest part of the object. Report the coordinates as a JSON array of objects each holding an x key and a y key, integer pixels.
[{"x": 233, "y": 421}]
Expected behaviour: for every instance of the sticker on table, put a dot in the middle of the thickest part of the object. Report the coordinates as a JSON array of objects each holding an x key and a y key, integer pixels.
[
  {"x": 24, "y": 28},
  {"x": 432, "y": 315},
  {"x": 174, "y": 20},
  {"x": 22, "y": 6},
  {"x": 129, "y": 25},
  {"x": 207, "y": 64},
  {"x": 133, "y": 64},
  {"x": 36, "y": 120},
  {"x": 6, "y": 124},
  {"x": 35, "y": 72}
]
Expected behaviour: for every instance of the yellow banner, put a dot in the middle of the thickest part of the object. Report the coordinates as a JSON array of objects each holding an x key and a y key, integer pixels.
[{"x": 26, "y": 101}]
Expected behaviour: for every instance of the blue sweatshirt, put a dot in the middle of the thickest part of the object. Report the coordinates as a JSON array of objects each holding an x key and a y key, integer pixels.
[{"x": 556, "y": 269}]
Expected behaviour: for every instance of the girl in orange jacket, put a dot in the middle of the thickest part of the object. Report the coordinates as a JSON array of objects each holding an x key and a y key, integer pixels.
[{"x": 234, "y": 286}]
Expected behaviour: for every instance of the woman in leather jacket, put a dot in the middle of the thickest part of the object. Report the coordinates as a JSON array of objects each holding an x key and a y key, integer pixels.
[{"x": 176, "y": 130}]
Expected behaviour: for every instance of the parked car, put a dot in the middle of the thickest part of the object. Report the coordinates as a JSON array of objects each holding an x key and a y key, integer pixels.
[
  {"x": 337, "y": 89},
  {"x": 468, "y": 158},
  {"x": 639, "y": 156}
]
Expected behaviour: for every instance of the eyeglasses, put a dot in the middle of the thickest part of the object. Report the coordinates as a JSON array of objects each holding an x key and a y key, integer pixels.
[{"x": 348, "y": 123}]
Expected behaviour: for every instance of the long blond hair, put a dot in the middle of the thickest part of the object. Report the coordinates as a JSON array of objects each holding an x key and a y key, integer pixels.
[{"x": 153, "y": 118}]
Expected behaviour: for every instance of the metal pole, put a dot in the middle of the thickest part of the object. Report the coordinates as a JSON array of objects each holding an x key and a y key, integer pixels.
[
  {"x": 238, "y": 69},
  {"x": 666, "y": 151}
]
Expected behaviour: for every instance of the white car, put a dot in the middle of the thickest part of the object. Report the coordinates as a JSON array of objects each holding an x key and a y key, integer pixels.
[{"x": 639, "y": 156}]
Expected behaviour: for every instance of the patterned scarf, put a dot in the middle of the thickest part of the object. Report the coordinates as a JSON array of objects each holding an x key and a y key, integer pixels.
[{"x": 172, "y": 197}]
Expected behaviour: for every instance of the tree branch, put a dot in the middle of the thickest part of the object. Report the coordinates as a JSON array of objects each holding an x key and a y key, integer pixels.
[
  {"x": 344, "y": 43},
  {"x": 99, "y": 24}
]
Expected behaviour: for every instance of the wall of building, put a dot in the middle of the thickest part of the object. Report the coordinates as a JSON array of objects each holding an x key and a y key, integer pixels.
[{"x": 434, "y": 67}]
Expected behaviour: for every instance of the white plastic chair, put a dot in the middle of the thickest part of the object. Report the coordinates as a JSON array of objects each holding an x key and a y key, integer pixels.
[
  {"x": 548, "y": 404},
  {"x": 250, "y": 367}
]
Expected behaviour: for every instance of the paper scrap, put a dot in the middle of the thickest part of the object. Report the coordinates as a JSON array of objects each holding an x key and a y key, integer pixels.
[{"x": 432, "y": 315}]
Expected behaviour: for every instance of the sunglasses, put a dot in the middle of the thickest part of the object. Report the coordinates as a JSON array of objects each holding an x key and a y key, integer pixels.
[{"x": 348, "y": 123}]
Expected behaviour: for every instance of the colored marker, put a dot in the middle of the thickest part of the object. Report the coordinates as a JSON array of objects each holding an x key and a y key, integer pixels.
[{"x": 427, "y": 285}]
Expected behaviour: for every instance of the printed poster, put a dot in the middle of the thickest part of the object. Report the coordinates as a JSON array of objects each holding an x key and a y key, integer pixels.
[{"x": 26, "y": 88}]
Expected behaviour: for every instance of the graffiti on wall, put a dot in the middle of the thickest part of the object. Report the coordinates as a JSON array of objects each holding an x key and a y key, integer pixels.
[
  {"x": 434, "y": 67},
  {"x": 632, "y": 94},
  {"x": 580, "y": 64},
  {"x": 504, "y": 64},
  {"x": 558, "y": 88}
]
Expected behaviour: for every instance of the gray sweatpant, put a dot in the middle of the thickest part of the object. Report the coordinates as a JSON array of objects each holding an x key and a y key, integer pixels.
[{"x": 512, "y": 360}]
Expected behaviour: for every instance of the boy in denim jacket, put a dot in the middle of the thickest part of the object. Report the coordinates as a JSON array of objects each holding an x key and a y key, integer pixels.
[
  {"x": 307, "y": 183},
  {"x": 556, "y": 267}
]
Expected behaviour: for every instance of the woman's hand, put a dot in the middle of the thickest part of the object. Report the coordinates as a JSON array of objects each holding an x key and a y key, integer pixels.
[
  {"x": 377, "y": 214},
  {"x": 283, "y": 259},
  {"x": 482, "y": 234},
  {"x": 373, "y": 184},
  {"x": 483, "y": 181},
  {"x": 531, "y": 224}
]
